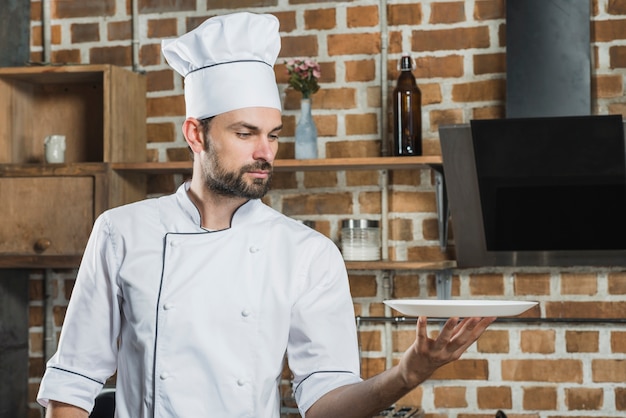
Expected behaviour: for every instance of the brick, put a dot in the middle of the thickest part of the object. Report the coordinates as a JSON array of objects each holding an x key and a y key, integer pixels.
[
  {"x": 35, "y": 10},
  {"x": 331, "y": 98},
  {"x": 162, "y": 80},
  {"x": 287, "y": 20},
  {"x": 431, "y": 93},
  {"x": 362, "y": 70},
  {"x": 493, "y": 342},
  {"x": 362, "y": 16},
  {"x": 354, "y": 149},
  {"x": 489, "y": 9},
  {"x": 315, "y": 179},
  {"x": 36, "y": 291},
  {"x": 543, "y": 398},
  {"x": 413, "y": 398},
  {"x": 401, "y": 229},
  {"x": 450, "y": 39},
  {"x": 450, "y": 397},
  {"x": 354, "y": 43},
  {"x": 429, "y": 253},
  {"x": 363, "y": 286},
  {"x": 116, "y": 55},
  {"x": 320, "y": 19},
  {"x": 161, "y": 132},
  {"x": 579, "y": 284},
  {"x": 486, "y": 285},
  {"x": 161, "y": 6},
  {"x": 36, "y": 367},
  {"x": 326, "y": 203},
  {"x": 489, "y": 112},
  {"x": 430, "y": 230},
  {"x": 450, "y": 66},
  {"x": 150, "y": 54},
  {"x": 373, "y": 96},
  {"x": 284, "y": 180},
  {"x": 608, "y": 30},
  {"x": 494, "y": 397},
  {"x": 119, "y": 31},
  {"x": 537, "y": 341},
  {"x": 447, "y": 12},
  {"x": 579, "y": 399},
  {"x": 489, "y": 63},
  {"x": 372, "y": 366},
  {"x": 620, "y": 399},
  {"x": 562, "y": 370},
  {"x": 616, "y": 7},
  {"x": 463, "y": 369},
  {"x": 479, "y": 91},
  {"x": 444, "y": 117},
  {"x": 608, "y": 371},
  {"x": 326, "y": 125},
  {"x": 617, "y": 57},
  {"x": 68, "y": 287},
  {"x": 370, "y": 340},
  {"x": 582, "y": 341},
  {"x": 162, "y": 28},
  {"x": 361, "y": 178},
  {"x": 570, "y": 309},
  {"x": 84, "y": 8},
  {"x": 165, "y": 106},
  {"x": 35, "y": 316},
  {"x": 369, "y": 202},
  {"x": 56, "y": 35},
  {"x": 412, "y": 202},
  {"x": 607, "y": 86},
  {"x": 361, "y": 124},
  {"x": 299, "y": 46},
  {"x": 84, "y": 32},
  {"x": 404, "y": 14},
  {"x": 531, "y": 284},
  {"x": 395, "y": 42},
  {"x": 405, "y": 285},
  {"x": 178, "y": 154},
  {"x": 617, "y": 283},
  {"x": 618, "y": 342},
  {"x": 405, "y": 177}
]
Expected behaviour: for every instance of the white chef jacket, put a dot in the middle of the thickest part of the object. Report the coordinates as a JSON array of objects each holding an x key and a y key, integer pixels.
[{"x": 197, "y": 323}]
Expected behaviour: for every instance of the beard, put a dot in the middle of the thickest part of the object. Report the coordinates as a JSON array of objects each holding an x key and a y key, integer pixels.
[{"x": 232, "y": 183}]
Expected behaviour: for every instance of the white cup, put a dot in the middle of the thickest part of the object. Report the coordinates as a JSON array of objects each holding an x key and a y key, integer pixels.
[{"x": 54, "y": 147}]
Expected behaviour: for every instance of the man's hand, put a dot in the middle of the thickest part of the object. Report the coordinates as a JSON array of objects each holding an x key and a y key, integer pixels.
[{"x": 426, "y": 355}]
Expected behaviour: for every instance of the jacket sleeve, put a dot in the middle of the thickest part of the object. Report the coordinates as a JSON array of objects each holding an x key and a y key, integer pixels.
[
  {"x": 323, "y": 350},
  {"x": 87, "y": 352}
]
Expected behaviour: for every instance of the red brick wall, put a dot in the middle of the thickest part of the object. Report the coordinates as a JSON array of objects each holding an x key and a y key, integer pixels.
[{"x": 525, "y": 368}]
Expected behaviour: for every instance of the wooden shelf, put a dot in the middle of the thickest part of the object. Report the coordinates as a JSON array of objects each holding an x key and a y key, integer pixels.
[
  {"x": 286, "y": 165},
  {"x": 49, "y": 170},
  {"x": 9, "y": 261},
  {"x": 400, "y": 265}
]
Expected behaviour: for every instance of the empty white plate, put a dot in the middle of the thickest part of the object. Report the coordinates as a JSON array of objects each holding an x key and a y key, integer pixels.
[{"x": 439, "y": 308}]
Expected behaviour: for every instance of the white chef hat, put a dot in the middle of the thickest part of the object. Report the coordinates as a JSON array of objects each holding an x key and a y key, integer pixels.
[{"x": 227, "y": 63}]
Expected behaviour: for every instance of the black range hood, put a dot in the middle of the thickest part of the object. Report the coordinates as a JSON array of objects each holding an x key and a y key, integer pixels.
[{"x": 537, "y": 191}]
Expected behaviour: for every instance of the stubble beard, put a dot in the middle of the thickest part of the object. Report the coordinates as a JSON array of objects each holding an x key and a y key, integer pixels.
[{"x": 232, "y": 183}]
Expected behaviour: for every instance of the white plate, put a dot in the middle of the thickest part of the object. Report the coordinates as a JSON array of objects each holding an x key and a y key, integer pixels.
[{"x": 438, "y": 308}]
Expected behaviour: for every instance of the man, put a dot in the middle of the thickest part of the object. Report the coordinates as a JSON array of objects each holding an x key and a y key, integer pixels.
[{"x": 195, "y": 298}]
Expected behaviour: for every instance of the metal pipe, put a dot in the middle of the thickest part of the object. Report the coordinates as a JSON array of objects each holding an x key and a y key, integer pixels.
[
  {"x": 46, "y": 18},
  {"x": 50, "y": 343},
  {"x": 384, "y": 88},
  {"x": 136, "y": 34}
]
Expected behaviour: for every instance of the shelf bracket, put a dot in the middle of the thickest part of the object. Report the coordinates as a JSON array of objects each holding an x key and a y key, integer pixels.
[
  {"x": 444, "y": 284},
  {"x": 443, "y": 209}
]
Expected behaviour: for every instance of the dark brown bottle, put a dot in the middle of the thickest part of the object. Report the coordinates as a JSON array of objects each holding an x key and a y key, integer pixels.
[{"x": 407, "y": 113}]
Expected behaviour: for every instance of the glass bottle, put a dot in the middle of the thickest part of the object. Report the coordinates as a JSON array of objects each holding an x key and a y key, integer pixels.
[
  {"x": 407, "y": 113},
  {"x": 306, "y": 133}
]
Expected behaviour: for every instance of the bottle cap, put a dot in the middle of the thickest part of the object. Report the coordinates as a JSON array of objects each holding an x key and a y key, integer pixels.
[{"x": 405, "y": 63}]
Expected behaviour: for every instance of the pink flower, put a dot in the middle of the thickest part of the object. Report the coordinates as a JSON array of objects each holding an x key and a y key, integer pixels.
[{"x": 303, "y": 75}]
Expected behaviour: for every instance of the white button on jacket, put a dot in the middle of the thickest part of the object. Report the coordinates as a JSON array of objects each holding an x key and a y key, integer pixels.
[{"x": 233, "y": 302}]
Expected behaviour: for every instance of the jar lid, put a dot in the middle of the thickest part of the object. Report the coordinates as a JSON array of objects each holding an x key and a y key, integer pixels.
[{"x": 359, "y": 223}]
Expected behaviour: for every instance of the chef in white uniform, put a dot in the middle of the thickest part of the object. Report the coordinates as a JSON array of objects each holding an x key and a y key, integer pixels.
[{"x": 194, "y": 299}]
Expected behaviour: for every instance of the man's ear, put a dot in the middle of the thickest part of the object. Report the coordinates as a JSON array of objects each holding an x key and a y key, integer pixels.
[{"x": 192, "y": 130}]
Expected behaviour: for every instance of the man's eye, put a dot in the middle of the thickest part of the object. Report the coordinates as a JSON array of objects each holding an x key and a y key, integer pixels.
[
  {"x": 243, "y": 134},
  {"x": 275, "y": 137}
]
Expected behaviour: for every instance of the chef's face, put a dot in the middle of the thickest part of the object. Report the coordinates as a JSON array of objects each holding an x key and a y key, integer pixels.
[{"x": 240, "y": 147}]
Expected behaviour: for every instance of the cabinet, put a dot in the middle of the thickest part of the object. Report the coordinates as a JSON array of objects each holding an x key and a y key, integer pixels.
[{"x": 48, "y": 209}]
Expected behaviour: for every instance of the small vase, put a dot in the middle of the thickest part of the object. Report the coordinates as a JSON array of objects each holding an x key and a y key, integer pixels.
[{"x": 306, "y": 133}]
